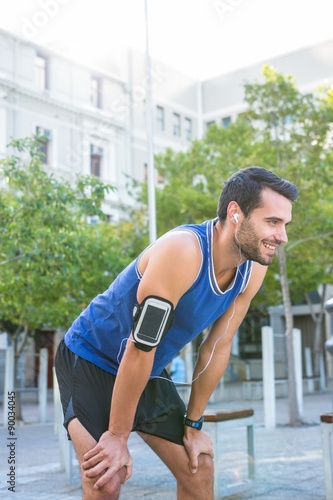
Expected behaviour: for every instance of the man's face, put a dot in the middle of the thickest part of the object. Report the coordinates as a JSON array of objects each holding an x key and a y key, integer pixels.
[{"x": 259, "y": 235}]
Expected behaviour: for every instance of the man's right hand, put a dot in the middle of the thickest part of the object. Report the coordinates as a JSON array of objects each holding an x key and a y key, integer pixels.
[{"x": 109, "y": 456}]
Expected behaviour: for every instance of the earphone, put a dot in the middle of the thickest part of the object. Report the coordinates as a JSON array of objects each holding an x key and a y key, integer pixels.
[{"x": 235, "y": 216}]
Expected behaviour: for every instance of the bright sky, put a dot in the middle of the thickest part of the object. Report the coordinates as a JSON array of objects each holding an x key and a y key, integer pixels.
[{"x": 200, "y": 37}]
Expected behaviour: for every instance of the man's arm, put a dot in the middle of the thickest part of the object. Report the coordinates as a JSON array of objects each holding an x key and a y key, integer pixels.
[{"x": 210, "y": 367}]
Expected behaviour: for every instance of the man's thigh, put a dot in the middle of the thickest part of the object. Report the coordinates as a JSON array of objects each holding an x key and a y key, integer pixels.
[
  {"x": 85, "y": 390},
  {"x": 161, "y": 411},
  {"x": 86, "y": 393},
  {"x": 189, "y": 486}
]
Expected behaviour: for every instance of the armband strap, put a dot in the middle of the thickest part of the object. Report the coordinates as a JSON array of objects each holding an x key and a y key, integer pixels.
[
  {"x": 195, "y": 424},
  {"x": 151, "y": 321}
]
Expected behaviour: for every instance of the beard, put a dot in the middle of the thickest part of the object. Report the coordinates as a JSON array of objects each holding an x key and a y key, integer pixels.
[{"x": 249, "y": 244}]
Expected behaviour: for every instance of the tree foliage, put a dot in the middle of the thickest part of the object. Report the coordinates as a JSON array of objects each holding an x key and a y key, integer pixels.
[
  {"x": 52, "y": 261},
  {"x": 294, "y": 133}
]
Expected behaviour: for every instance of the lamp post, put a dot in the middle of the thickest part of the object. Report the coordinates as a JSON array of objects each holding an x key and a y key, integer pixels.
[{"x": 150, "y": 140}]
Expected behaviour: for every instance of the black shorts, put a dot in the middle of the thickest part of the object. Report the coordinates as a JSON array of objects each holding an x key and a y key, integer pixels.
[{"x": 86, "y": 392}]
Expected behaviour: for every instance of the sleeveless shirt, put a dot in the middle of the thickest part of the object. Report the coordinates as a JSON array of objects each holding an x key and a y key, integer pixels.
[{"x": 100, "y": 333}]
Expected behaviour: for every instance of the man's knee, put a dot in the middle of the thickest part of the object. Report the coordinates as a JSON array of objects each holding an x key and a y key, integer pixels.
[
  {"x": 107, "y": 492},
  {"x": 110, "y": 491},
  {"x": 206, "y": 466},
  {"x": 200, "y": 484}
]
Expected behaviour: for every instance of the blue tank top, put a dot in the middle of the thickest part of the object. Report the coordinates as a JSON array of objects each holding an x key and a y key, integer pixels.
[{"x": 99, "y": 334}]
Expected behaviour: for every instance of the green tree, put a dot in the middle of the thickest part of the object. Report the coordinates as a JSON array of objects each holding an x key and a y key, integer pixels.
[
  {"x": 294, "y": 134},
  {"x": 290, "y": 134},
  {"x": 52, "y": 261}
]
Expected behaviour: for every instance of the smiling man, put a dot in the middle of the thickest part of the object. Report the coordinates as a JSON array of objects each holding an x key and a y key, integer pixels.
[{"x": 111, "y": 363}]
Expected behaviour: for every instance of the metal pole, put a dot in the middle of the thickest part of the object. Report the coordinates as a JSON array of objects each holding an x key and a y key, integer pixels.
[
  {"x": 308, "y": 368},
  {"x": 297, "y": 341},
  {"x": 268, "y": 376},
  {"x": 150, "y": 137},
  {"x": 42, "y": 384},
  {"x": 9, "y": 386}
]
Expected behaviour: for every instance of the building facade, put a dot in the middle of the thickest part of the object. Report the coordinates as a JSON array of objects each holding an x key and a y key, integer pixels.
[
  {"x": 69, "y": 105},
  {"x": 93, "y": 120},
  {"x": 223, "y": 95}
]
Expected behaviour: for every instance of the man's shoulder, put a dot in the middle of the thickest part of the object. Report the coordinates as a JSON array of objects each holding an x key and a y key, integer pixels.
[{"x": 256, "y": 278}]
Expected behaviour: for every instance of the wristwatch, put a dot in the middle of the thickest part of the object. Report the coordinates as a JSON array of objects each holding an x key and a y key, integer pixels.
[{"x": 195, "y": 424}]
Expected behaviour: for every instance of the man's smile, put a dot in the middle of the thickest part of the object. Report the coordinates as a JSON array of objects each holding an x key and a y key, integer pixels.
[{"x": 270, "y": 246}]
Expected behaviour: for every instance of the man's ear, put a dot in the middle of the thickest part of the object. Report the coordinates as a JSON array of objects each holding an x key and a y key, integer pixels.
[{"x": 233, "y": 211}]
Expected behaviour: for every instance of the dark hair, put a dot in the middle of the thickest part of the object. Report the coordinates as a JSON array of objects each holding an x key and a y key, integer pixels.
[{"x": 245, "y": 187}]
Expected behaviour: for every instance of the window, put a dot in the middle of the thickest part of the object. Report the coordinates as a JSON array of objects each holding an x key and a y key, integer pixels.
[
  {"x": 176, "y": 125},
  {"x": 160, "y": 118},
  {"x": 209, "y": 124},
  {"x": 96, "y": 155},
  {"x": 41, "y": 72},
  {"x": 226, "y": 121},
  {"x": 95, "y": 92},
  {"x": 188, "y": 129},
  {"x": 45, "y": 137}
]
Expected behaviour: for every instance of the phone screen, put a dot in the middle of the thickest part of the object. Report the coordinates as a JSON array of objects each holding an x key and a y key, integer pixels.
[{"x": 151, "y": 323}]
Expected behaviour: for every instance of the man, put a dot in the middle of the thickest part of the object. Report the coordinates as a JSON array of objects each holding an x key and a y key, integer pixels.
[{"x": 110, "y": 367}]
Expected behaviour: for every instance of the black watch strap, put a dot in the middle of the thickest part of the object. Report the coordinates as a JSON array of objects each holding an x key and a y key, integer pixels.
[{"x": 195, "y": 424}]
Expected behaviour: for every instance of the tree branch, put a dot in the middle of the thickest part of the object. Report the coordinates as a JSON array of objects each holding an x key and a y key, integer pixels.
[
  {"x": 309, "y": 238},
  {"x": 18, "y": 211},
  {"x": 8, "y": 261},
  {"x": 24, "y": 339}
]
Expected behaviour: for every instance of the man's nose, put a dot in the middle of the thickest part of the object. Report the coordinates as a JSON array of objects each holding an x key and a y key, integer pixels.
[{"x": 282, "y": 235}]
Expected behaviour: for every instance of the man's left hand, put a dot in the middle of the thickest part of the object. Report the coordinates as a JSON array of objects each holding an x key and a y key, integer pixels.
[{"x": 197, "y": 442}]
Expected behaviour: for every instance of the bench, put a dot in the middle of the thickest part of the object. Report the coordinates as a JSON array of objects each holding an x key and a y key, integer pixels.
[
  {"x": 253, "y": 389},
  {"x": 326, "y": 425},
  {"x": 216, "y": 422}
]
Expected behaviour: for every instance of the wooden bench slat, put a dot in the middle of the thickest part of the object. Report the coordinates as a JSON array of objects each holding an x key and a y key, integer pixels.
[
  {"x": 224, "y": 415},
  {"x": 327, "y": 418}
]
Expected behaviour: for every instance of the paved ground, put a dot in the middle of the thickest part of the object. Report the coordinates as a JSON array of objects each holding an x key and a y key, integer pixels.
[{"x": 289, "y": 462}]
